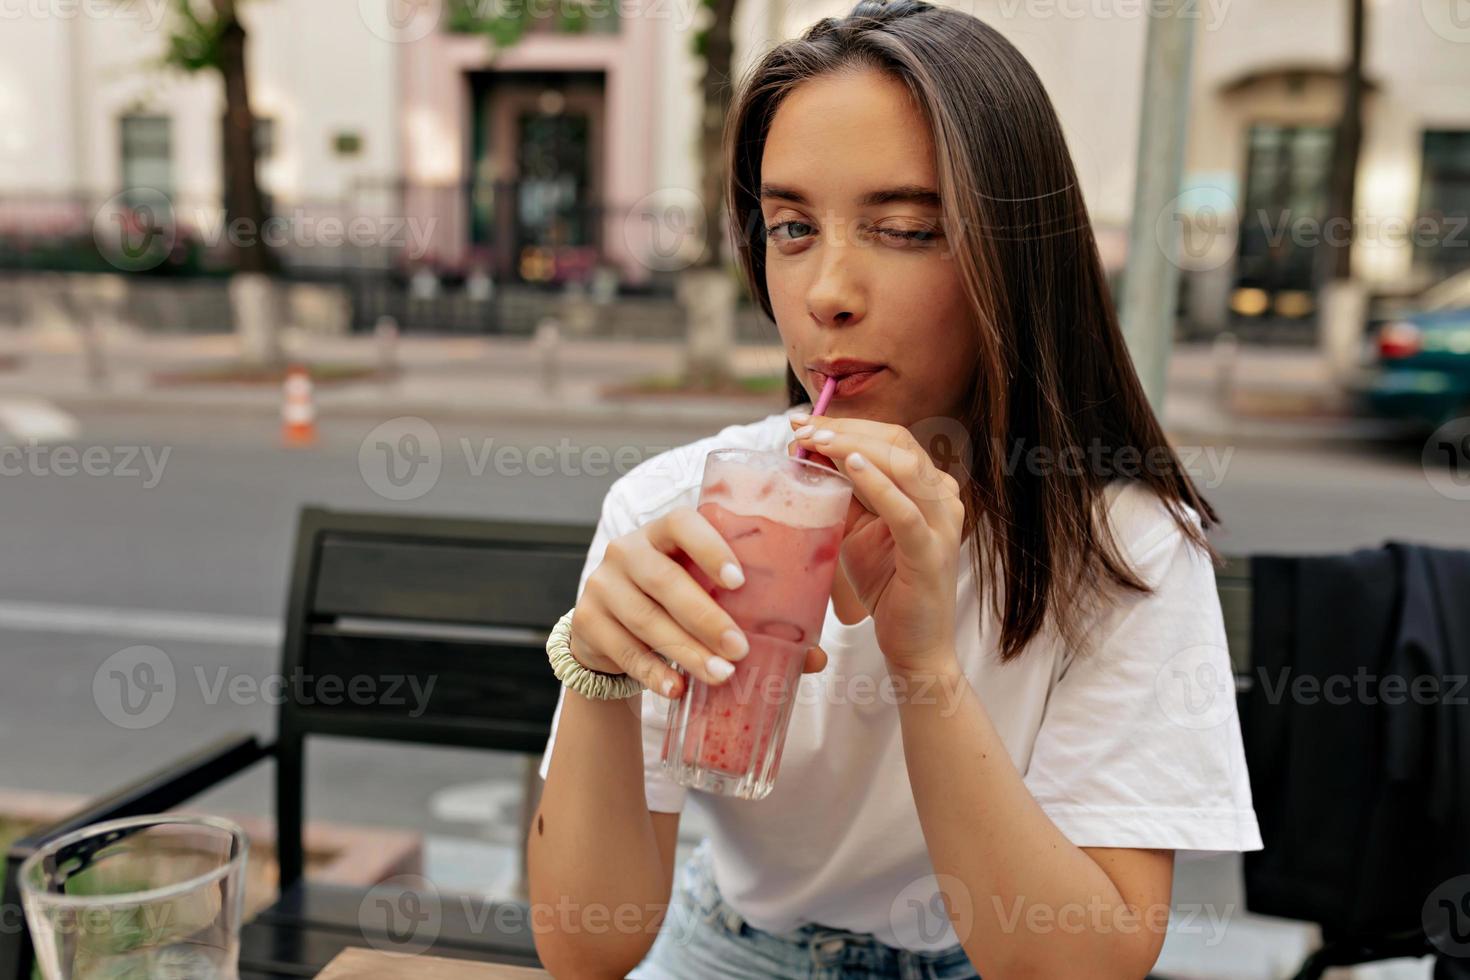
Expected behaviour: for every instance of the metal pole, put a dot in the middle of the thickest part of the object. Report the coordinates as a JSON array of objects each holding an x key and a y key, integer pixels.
[{"x": 1151, "y": 280}]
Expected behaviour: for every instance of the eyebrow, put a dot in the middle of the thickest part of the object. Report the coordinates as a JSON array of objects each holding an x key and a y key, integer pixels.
[{"x": 902, "y": 194}]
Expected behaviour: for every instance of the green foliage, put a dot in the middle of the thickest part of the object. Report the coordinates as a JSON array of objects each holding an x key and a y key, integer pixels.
[
  {"x": 701, "y": 36},
  {"x": 193, "y": 43},
  {"x": 513, "y": 18},
  {"x": 467, "y": 17}
]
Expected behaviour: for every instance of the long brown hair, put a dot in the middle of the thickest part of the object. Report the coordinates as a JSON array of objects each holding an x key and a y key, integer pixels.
[{"x": 1053, "y": 370}]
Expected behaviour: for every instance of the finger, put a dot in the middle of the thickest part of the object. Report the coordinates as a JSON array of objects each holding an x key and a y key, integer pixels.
[
  {"x": 670, "y": 585},
  {"x": 910, "y": 528},
  {"x": 601, "y": 631},
  {"x": 893, "y": 450},
  {"x": 816, "y": 661},
  {"x": 815, "y": 457},
  {"x": 651, "y": 623},
  {"x": 686, "y": 529}
]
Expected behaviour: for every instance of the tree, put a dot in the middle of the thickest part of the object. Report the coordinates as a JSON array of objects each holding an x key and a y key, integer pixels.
[
  {"x": 706, "y": 289},
  {"x": 208, "y": 36},
  {"x": 1336, "y": 264},
  {"x": 215, "y": 41}
]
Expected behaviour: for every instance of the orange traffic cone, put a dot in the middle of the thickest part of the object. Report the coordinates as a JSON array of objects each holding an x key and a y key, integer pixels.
[{"x": 298, "y": 412}]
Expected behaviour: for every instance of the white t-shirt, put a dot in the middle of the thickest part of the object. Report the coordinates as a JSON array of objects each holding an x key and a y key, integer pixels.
[{"x": 1135, "y": 744}]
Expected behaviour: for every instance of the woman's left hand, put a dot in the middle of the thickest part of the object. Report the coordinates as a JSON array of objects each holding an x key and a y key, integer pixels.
[{"x": 901, "y": 547}]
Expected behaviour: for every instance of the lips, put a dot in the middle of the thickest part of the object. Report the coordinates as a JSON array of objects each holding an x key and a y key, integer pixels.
[{"x": 853, "y": 376}]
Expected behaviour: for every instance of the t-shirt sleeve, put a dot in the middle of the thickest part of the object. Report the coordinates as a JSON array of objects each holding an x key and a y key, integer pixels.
[
  {"x": 664, "y": 795},
  {"x": 1140, "y": 743}
]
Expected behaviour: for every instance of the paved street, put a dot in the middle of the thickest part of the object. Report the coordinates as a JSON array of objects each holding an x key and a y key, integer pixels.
[
  {"x": 184, "y": 544},
  {"x": 196, "y": 563}
]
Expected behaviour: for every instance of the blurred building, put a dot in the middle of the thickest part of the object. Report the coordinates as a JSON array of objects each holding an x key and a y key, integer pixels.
[{"x": 573, "y": 148}]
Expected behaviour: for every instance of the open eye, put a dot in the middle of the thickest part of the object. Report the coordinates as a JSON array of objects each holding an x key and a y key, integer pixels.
[{"x": 789, "y": 231}]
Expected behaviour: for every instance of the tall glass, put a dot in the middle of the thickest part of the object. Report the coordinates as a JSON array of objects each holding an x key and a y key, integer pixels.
[
  {"x": 138, "y": 899},
  {"x": 783, "y": 517}
]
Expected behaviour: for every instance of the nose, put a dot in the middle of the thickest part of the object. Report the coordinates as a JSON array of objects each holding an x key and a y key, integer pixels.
[{"x": 835, "y": 297}]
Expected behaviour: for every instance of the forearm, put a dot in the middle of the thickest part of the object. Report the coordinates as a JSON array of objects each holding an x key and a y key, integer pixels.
[
  {"x": 599, "y": 883},
  {"x": 1041, "y": 905}
]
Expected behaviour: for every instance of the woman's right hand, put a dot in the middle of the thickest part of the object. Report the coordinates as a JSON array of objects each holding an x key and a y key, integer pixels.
[{"x": 644, "y": 601}]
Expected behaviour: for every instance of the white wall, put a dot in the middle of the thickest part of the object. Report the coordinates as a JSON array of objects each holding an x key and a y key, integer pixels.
[{"x": 65, "y": 79}]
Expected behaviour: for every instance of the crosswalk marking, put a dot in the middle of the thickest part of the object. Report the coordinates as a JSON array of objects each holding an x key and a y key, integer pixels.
[
  {"x": 32, "y": 420},
  {"x": 147, "y": 624}
]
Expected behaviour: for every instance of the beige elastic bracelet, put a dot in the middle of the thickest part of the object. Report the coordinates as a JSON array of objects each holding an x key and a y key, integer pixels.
[{"x": 584, "y": 680}]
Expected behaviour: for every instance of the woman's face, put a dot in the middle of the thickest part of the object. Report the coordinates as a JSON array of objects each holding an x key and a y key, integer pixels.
[{"x": 862, "y": 281}]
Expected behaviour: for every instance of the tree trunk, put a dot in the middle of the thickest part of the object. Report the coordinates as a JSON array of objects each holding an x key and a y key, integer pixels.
[
  {"x": 1342, "y": 301},
  {"x": 719, "y": 54},
  {"x": 1337, "y": 260},
  {"x": 255, "y": 302},
  {"x": 708, "y": 306}
]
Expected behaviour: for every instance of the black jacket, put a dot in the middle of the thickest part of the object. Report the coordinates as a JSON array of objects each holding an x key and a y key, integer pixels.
[{"x": 1357, "y": 735}]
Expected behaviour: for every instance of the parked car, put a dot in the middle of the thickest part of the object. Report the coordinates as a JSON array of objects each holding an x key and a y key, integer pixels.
[{"x": 1419, "y": 358}]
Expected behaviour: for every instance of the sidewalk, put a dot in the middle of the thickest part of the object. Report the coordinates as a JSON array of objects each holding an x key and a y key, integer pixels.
[{"x": 1278, "y": 395}]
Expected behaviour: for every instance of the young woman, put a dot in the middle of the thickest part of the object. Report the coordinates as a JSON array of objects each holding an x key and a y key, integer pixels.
[{"x": 1024, "y": 546}]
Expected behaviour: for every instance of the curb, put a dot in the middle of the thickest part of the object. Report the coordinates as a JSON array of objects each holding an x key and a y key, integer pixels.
[
  {"x": 691, "y": 414},
  {"x": 1345, "y": 432},
  {"x": 695, "y": 415}
]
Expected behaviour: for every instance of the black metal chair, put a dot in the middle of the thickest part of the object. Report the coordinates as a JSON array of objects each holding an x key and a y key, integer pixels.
[{"x": 466, "y": 602}]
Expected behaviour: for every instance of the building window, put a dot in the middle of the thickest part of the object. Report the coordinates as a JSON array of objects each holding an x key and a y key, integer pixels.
[
  {"x": 147, "y": 153},
  {"x": 1287, "y": 169},
  {"x": 1444, "y": 199}
]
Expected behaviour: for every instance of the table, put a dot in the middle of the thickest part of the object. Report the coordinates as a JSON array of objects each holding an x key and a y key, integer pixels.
[{"x": 371, "y": 964}]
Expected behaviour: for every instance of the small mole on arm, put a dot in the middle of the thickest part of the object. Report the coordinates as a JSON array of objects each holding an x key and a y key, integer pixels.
[{"x": 540, "y": 825}]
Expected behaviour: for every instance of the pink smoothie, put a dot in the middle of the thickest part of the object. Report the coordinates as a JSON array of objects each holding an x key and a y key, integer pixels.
[{"x": 788, "y": 579}]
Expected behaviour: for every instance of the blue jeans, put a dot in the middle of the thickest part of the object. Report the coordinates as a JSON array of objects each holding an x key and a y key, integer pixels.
[{"x": 704, "y": 937}]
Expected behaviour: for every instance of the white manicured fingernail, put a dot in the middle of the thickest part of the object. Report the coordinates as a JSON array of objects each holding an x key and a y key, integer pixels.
[
  {"x": 800, "y": 417},
  {"x": 804, "y": 431},
  {"x": 734, "y": 644},
  {"x": 824, "y": 436},
  {"x": 855, "y": 461},
  {"x": 668, "y": 687},
  {"x": 719, "y": 669},
  {"x": 731, "y": 576}
]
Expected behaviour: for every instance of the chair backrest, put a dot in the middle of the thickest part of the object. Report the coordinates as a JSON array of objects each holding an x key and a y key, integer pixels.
[
  {"x": 422, "y": 629},
  {"x": 1233, "y": 583}
]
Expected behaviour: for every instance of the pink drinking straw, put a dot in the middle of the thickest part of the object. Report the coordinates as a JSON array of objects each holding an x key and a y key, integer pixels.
[{"x": 823, "y": 400}]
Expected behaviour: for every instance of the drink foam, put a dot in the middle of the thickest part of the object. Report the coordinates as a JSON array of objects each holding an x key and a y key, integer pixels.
[{"x": 776, "y": 487}]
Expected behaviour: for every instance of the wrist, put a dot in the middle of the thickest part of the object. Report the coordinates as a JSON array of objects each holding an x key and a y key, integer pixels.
[
  {"x": 577, "y": 676},
  {"x": 940, "y": 668}
]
